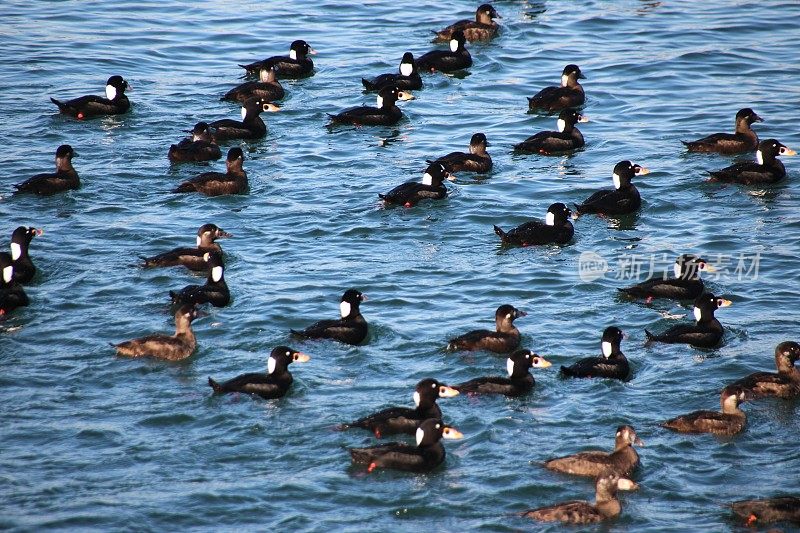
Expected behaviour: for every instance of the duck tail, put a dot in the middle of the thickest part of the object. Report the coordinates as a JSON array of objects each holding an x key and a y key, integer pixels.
[
  {"x": 368, "y": 85},
  {"x": 566, "y": 371},
  {"x": 500, "y": 233},
  {"x": 650, "y": 337},
  {"x": 296, "y": 333},
  {"x": 216, "y": 386},
  {"x": 61, "y": 106},
  {"x": 185, "y": 187}
]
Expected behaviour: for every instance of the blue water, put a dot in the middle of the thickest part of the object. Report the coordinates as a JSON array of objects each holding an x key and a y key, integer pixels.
[{"x": 93, "y": 442}]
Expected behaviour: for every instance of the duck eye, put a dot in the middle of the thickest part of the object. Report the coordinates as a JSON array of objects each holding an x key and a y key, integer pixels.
[
  {"x": 433, "y": 386},
  {"x": 288, "y": 353}
]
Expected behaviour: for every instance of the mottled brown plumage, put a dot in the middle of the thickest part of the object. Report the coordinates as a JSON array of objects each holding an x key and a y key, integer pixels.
[
  {"x": 170, "y": 347},
  {"x": 728, "y": 422},
  {"x": 505, "y": 339},
  {"x": 622, "y": 461},
  {"x": 233, "y": 181},
  {"x": 784, "y": 384},
  {"x": 606, "y": 504}
]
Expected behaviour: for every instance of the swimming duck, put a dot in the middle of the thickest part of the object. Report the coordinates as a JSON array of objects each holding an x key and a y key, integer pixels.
[
  {"x": 457, "y": 58},
  {"x": 233, "y": 181},
  {"x": 556, "y": 229},
  {"x": 706, "y": 331},
  {"x": 21, "y": 238},
  {"x": 274, "y": 384},
  {"x": 622, "y": 461},
  {"x": 784, "y": 384},
  {"x": 191, "y": 258},
  {"x": 606, "y": 504},
  {"x": 505, "y": 339},
  {"x": 477, "y": 160},
  {"x": 410, "y": 193},
  {"x": 569, "y": 94},
  {"x": 567, "y": 138},
  {"x": 768, "y": 510},
  {"x": 12, "y": 295},
  {"x": 408, "y": 79},
  {"x": 612, "y": 364},
  {"x": 405, "y": 419},
  {"x": 215, "y": 291},
  {"x": 296, "y": 65},
  {"x": 743, "y": 139},
  {"x": 266, "y": 88},
  {"x": 424, "y": 457},
  {"x": 622, "y": 199},
  {"x": 114, "y": 103},
  {"x": 385, "y": 114},
  {"x": 170, "y": 347},
  {"x": 199, "y": 146},
  {"x": 766, "y": 169},
  {"x": 251, "y": 126},
  {"x": 686, "y": 285},
  {"x": 350, "y": 329},
  {"x": 482, "y": 28},
  {"x": 518, "y": 382},
  {"x": 63, "y": 179},
  {"x": 728, "y": 422}
]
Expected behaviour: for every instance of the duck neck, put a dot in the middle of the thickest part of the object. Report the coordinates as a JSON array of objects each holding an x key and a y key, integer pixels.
[
  {"x": 730, "y": 405},
  {"x": 183, "y": 328},
  {"x": 506, "y": 325}
]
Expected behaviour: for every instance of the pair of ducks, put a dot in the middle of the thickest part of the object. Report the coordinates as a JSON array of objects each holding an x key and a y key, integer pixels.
[{"x": 16, "y": 269}]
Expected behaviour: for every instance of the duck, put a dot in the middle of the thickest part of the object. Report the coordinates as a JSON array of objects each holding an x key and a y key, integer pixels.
[
  {"x": 191, "y": 258},
  {"x": 162, "y": 346},
  {"x": 686, "y": 285},
  {"x": 115, "y": 102},
  {"x": 611, "y": 365},
  {"x": 706, "y": 331},
  {"x": 21, "y": 238},
  {"x": 274, "y": 384},
  {"x": 519, "y": 380},
  {"x": 233, "y": 181},
  {"x": 424, "y": 457},
  {"x": 766, "y": 169},
  {"x": 569, "y": 94},
  {"x": 785, "y": 384},
  {"x": 623, "y": 199},
  {"x": 743, "y": 139},
  {"x": 252, "y": 126},
  {"x": 407, "y": 79},
  {"x": 199, "y": 146},
  {"x": 296, "y": 65},
  {"x": 351, "y": 328},
  {"x": 567, "y": 138},
  {"x": 556, "y": 229},
  {"x": 395, "y": 420},
  {"x": 65, "y": 177},
  {"x": 215, "y": 291},
  {"x": 730, "y": 421},
  {"x": 606, "y": 505},
  {"x": 504, "y": 339},
  {"x": 385, "y": 113},
  {"x": 457, "y": 58},
  {"x": 431, "y": 187},
  {"x": 768, "y": 510},
  {"x": 483, "y": 28},
  {"x": 12, "y": 295},
  {"x": 477, "y": 160},
  {"x": 266, "y": 88},
  {"x": 622, "y": 461}
]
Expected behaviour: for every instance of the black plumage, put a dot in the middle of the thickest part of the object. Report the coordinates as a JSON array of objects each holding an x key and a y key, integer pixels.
[
  {"x": 351, "y": 328},
  {"x": 765, "y": 170},
  {"x": 623, "y": 199},
  {"x": 274, "y": 384},
  {"x": 407, "y": 79},
  {"x": 115, "y": 102},
  {"x": 686, "y": 285},
  {"x": 191, "y": 258},
  {"x": 706, "y": 332},
  {"x": 568, "y": 94},
  {"x": 410, "y": 193},
  {"x": 555, "y": 229},
  {"x": 457, "y": 58},
  {"x": 385, "y": 114},
  {"x": 518, "y": 382},
  {"x": 296, "y": 65},
  {"x": 63, "y": 179},
  {"x": 612, "y": 364},
  {"x": 215, "y": 291},
  {"x": 567, "y": 138},
  {"x": 477, "y": 160}
]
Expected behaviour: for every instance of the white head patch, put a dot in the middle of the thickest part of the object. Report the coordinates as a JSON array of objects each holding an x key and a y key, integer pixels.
[
  {"x": 16, "y": 251},
  {"x": 293, "y": 55},
  {"x": 697, "y": 313},
  {"x": 111, "y": 92},
  {"x": 564, "y": 80},
  {"x": 453, "y": 45},
  {"x": 8, "y": 273},
  {"x": 406, "y": 69},
  {"x": 561, "y": 125},
  {"x": 759, "y": 157},
  {"x": 416, "y": 398},
  {"x": 606, "y": 347},
  {"x": 379, "y": 101},
  {"x": 677, "y": 269},
  {"x": 216, "y": 273},
  {"x": 510, "y": 367},
  {"x": 344, "y": 309},
  {"x": 427, "y": 179},
  {"x": 271, "y": 364},
  {"x": 420, "y": 436},
  {"x": 244, "y": 113},
  {"x": 550, "y": 219},
  {"x": 199, "y": 240},
  {"x": 617, "y": 182}
]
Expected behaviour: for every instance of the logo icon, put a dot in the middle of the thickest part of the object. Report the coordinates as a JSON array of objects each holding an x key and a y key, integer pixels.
[{"x": 591, "y": 266}]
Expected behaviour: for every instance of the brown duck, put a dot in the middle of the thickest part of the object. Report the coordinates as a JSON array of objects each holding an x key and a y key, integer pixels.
[
  {"x": 505, "y": 339},
  {"x": 623, "y": 460},
  {"x": 728, "y": 422},
  {"x": 784, "y": 384},
  {"x": 170, "y": 347}
]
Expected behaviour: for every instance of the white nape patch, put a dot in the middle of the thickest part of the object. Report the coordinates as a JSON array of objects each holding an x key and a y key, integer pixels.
[
  {"x": 379, "y": 101},
  {"x": 427, "y": 179},
  {"x": 759, "y": 157},
  {"x": 697, "y": 313},
  {"x": 8, "y": 273},
  {"x": 271, "y": 364},
  {"x": 111, "y": 92},
  {"x": 344, "y": 309},
  {"x": 617, "y": 182},
  {"x": 406, "y": 69},
  {"x": 199, "y": 240},
  {"x": 453, "y": 45},
  {"x": 16, "y": 251},
  {"x": 676, "y": 268},
  {"x": 561, "y": 125},
  {"x": 416, "y": 398},
  {"x": 606, "y": 347},
  {"x": 293, "y": 55},
  {"x": 550, "y": 219},
  {"x": 420, "y": 436},
  {"x": 564, "y": 80},
  {"x": 216, "y": 273},
  {"x": 244, "y": 113},
  {"x": 510, "y": 367}
]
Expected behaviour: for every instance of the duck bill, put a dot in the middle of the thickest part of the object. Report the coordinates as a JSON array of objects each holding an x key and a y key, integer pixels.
[
  {"x": 449, "y": 176},
  {"x": 543, "y": 363},
  {"x": 643, "y": 171},
  {"x": 724, "y": 303},
  {"x": 452, "y": 433},
  {"x": 447, "y": 392},
  {"x": 312, "y": 51},
  {"x": 627, "y": 484},
  {"x": 708, "y": 268},
  {"x": 271, "y": 108},
  {"x": 639, "y": 442},
  {"x": 39, "y": 231},
  {"x": 788, "y": 151},
  {"x": 521, "y": 313},
  {"x": 300, "y": 357},
  {"x": 583, "y": 118},
  {"x": 223, "y": 234},
  {"x": 405, "y": 95}
]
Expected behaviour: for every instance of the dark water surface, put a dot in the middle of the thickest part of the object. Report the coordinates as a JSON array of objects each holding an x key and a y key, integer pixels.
[{"x": 91, "y": 441}]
